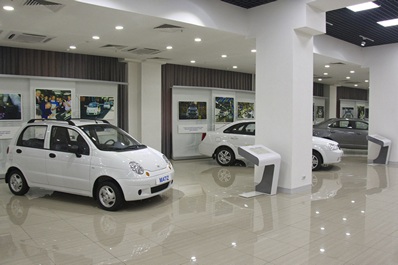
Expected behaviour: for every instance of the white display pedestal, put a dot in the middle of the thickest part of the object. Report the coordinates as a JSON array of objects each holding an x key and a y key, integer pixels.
[
  {"x": 384, "y": 152},
  {"x": 268, "y": 162}
]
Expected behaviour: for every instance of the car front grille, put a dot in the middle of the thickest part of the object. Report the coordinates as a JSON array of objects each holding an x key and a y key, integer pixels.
[{"x": 160, "y": 188}]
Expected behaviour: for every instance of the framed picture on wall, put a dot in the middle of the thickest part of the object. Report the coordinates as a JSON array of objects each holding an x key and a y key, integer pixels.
[
  {"x": 10, "y": 107},
  {"x": 245, "y": 110},
  {"x": 192, "y": 110},
  {"x": 224, "y": 109},
  {"x": 347, "y": 112},
  {"x": 53, "y": 104},
  {"x": 320, "y": 112},
  {"x": 92, "y": 107},
  {"x": 361, "y": 112}
]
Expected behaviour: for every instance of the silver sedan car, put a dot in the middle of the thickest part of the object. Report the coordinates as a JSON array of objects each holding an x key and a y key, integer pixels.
[{"x": 349, "y": 133}]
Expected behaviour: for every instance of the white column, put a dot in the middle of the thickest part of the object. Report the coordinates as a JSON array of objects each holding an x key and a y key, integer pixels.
[
  {"x": 383, "y": 95},
  {"x": 332, "y": 101},
  {"x": 151, "y": 102},
  {"x": 284, "y": 71},
  {"x": 144, "y": 102}
]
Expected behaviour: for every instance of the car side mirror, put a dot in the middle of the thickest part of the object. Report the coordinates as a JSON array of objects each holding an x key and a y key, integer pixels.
[{"x": 75, "y": 149}]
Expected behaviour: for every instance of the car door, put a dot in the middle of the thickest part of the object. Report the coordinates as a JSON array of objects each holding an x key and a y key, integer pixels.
[
  {"x": 361, "y": 133},
  {"x": 342, "y": 132},
  {"x": 241, "y": 134},
  {"x": 65, "y": 169},
  {"x": 30, "y": 154}
]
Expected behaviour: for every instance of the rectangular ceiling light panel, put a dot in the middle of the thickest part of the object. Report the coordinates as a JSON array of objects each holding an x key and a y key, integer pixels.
[
  {"x": 389, "y": 23},
  {"x": 362, "y": 7}
]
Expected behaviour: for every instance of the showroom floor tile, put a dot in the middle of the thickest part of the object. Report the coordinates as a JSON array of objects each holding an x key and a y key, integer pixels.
[{"x": 350, "y": 216}]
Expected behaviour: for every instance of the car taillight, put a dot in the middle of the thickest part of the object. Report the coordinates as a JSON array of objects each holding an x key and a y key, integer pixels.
[{"x": 203, "y": 136}]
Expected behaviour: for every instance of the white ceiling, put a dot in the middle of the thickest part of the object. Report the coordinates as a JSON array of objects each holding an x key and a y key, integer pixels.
[{"x": 75, "y": 24}]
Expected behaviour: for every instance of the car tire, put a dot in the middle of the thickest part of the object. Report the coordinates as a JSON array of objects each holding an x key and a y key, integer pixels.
[
  {"x": 109, "y": 196},
  {"x": 225, "y": 156},
  {"x": 17, "y": 183},
  {"x": 317, "y": 160}
]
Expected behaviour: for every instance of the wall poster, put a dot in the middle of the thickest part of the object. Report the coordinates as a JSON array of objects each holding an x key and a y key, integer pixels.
[
  {"x": 320, "y": 112},
  {"x": 192, "y": 110},
  {"x": 224, "y": 109},
  {"x": 348, "y": 112},
  {"x": 53, "y": 104},
  {"x": 10, "y": 107},
  {"x": 92, "y": 107},
  {"x": 245, "y": 110}
]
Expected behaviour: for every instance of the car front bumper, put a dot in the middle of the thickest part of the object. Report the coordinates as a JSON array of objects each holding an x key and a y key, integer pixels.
[{"x": 332, "y": 157}]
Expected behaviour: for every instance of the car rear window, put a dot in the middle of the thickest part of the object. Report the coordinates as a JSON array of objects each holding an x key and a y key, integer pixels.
[{"x": 33, "y": 136}]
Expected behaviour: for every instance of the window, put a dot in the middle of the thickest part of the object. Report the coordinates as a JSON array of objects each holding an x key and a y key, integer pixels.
[
  {"x": 242, "y": 128},
  {"x": 361, "y": 125},
  {"x": 33, "y": 136},
  {"x": 63, "y": 138}
]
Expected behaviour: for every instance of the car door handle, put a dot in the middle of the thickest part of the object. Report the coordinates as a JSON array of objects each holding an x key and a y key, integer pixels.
[
  {"x": 52, "y": 155},
  {"x": 234, "y": 138},
  {"x": 19, "y": 151}
]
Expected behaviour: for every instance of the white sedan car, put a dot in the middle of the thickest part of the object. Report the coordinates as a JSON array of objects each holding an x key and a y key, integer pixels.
[
  {"x": 89, "y": 158},
  {"x": 223, "y": 144}
]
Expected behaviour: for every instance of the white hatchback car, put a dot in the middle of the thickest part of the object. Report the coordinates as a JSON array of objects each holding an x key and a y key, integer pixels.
[
  {"x": 84, "y": 157},
  {"x": 223, "y": 144}
]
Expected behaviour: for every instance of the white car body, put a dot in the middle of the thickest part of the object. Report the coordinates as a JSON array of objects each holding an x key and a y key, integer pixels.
[
  {"x": 107, "y": 105},
  {"x": 93, "y": 108},
  {"x": 80, "y": 173},
  {"x": 213, "y": 141}
]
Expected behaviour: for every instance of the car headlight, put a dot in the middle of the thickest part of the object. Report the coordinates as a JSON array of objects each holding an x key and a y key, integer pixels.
[
  {"x": 332, "y": 146},
  {"x": 136, "y": 167},
  {"x": 167, "y": 161}
]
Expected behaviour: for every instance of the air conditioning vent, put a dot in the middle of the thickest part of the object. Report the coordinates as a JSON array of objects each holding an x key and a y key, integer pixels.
[
  {"x": 28, "y": 38},
  {"x": 338, "y": 63},
  {"x": 168, "y": 28},
  {"x": 143, "y": 51},
  {"x": 50, "y": 5},
  {"x": 114, "y": 47}
]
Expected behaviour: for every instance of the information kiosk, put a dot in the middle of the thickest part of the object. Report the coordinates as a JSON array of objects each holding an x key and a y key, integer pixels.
[
  {"x": 384, "y": 153},
  {"x": 267, "y": 174}
]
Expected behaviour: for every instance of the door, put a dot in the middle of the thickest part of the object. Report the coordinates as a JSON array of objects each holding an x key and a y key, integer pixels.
[
  {"x": 30, "y": 154},
  {"x": 343, "y": 133},
  {"x": 361, "y": 133},
  {"x": 65, "y": 169}
]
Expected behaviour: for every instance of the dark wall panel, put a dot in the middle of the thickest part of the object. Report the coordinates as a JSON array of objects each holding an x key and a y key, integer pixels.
[{"x": 350, "y": 93}]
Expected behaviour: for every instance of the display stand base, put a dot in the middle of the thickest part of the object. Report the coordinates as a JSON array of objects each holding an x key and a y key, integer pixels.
[{"x": 252, "y": 194}]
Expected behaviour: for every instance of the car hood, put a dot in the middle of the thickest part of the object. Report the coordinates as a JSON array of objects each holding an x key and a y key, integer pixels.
[
  {"x": 322, "y": 141},
  {"x": 148, "y": 158}
]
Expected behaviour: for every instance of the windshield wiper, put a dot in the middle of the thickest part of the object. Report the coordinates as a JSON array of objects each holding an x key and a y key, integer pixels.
[{"x": 136, "y": 147}]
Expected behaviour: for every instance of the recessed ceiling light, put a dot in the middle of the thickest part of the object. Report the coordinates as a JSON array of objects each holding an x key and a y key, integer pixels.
[
  {"x": 235, "y": 67},
  {"x": 169, "y": 47},
  {"x": 362, "y": 7},
  {"x": 356, "y": 85},
  {"x": 224, "y": 56},
  {"x": 325, "y": 73},
  {"x": 119, "y": 27},
  {"x": 352, "y": 71},
  {"x": 72, "y": 47},
  {"x": 366, "y": 81},
  {"x": 388, "y": 23},
  {"x": 327, "y": 66},
  {"x": 253, "y": 50},
  {"x": 348, "y": 77},
  {"x": 193, "y": 61},
  {"x": 198, "y": 39},
  {"x": 96, "y": 37},
  {"x": 8, "y": 8},
  {"x": 319, "y": 79}
]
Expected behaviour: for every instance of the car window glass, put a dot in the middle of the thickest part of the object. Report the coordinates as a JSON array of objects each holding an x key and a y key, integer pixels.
[
  {"x": 361, "y": 125},
  {"x": 344, "y": 124},
  {"x": 63, "y": 138},
  {"x": 33, "y": 136},
  {"x": 251, "y": 128}
]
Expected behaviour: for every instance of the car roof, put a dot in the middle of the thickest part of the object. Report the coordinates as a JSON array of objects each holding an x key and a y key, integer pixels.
[{"x": 72, "y": 122}]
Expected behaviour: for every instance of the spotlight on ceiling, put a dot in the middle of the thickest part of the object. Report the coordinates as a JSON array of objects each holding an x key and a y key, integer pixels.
[{"x": 363, "y": 44}]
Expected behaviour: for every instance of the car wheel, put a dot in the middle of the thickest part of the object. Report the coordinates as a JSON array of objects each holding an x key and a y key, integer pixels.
[
  {"x": 109, "y": 196},
  {"x": 225, "y": 156},
  {"x": 316, "y": 160},
  {"x": 17, "y": 183}
]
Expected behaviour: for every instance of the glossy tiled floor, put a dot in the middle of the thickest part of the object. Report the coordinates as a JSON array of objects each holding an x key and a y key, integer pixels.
[{"x": 349, "y": 217}]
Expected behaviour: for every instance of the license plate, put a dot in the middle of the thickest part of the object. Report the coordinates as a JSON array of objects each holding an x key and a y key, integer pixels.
[{"x": 163, "y": 180}]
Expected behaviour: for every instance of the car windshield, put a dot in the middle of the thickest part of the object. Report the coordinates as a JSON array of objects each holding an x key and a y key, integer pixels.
[
  {"x": 93, "y": 104},
  {"x": 107, "y": 137}
]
